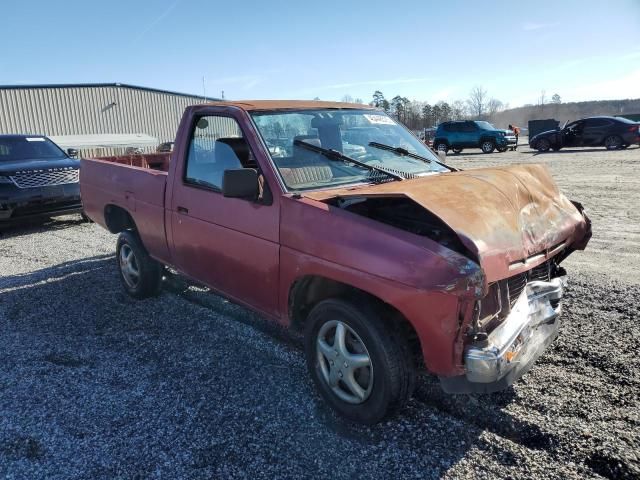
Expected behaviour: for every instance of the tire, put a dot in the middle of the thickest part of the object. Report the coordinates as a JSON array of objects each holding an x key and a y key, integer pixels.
[
  {"x": 613, "y": 142},
  {"x": 85, "y": 218},
  {"x": 131, "y": 256},
  {"x": 441, "y": 146},
  {"x": 385, "y": 383},
  {"x": 556, "y": 149},
  {"x": 487, "y": 146},
  {"x": 457, "y": 150},
  {"x": 543, "y": 145},
  {"x": 502, "y": 149}
]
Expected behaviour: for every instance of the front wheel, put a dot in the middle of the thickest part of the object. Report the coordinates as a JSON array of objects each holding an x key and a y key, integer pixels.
[
  {"x": 613, "y": 142},
  {"x": 441, "y": 147},
  {"x": 361, "y": 367},
  {"x": 488, "y": 146},
  {"x": 502, "y": 149},
  {"x": 543, "y": 145},
  {"x": 141, "y": 275}
]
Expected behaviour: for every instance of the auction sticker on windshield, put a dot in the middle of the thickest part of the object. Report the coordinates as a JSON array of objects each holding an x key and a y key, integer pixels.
[
  {"x": 35, "y": 139},
  {"x": 379, "y": 119}
]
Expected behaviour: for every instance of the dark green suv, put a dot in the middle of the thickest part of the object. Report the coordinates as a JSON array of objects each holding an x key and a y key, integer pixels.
[{"x": 472, "y": 134}]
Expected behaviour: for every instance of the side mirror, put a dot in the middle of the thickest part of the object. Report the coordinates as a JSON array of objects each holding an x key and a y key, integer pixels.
[
  {"x": 72, "y": 152},
  {"x": 442, "y": 156},
  {"x": 240, "y": 183}
]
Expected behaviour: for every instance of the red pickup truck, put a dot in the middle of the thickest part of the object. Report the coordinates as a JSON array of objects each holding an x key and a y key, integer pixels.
[{"x": 335, "y": 220}]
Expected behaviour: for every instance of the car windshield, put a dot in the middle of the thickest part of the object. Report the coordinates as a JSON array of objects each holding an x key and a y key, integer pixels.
[
  {"x": 485, "y": 126},
  {"x": 28, "y": 148},
  {"x": 353, "y": 133}
]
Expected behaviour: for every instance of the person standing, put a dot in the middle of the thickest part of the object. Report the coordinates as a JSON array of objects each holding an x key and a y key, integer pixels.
[{"x": 516, "y": 132}]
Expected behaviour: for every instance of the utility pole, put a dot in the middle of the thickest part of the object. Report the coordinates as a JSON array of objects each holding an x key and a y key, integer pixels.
[{"x": 222, "y": 95}]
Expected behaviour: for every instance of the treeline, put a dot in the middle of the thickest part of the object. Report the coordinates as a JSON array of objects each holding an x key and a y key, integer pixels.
[
  {"x": 480, "y": 106},
  {"x": 418, "y": 115}
]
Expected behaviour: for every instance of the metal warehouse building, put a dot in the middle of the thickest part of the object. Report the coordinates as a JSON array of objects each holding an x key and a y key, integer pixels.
[{"x": 93, "y": 109}]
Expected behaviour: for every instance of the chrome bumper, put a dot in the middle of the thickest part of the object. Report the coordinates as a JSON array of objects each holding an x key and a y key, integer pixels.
[{"x": 514, "y": 345}]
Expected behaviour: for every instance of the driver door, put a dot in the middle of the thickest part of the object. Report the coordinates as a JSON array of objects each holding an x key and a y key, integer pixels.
[
  {"x": 230, "y": 244},
  {"x": 573, "y": 136}
]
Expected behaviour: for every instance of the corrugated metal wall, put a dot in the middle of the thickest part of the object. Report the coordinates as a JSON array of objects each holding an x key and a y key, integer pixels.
[{"x": 92, "y": 110}]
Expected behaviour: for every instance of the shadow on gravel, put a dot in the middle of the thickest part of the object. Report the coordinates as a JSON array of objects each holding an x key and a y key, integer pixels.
[
  {"x": 94, "y": 384},
  {"x": 32, "y": 226}
]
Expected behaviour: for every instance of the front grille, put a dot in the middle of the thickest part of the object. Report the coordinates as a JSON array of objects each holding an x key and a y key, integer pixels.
[
  {"x": 515, "y": 286},
  {"x": 44, "y": 178},
  {"x": 517, "y": 283},
  {"x": 502, "y": 295}
]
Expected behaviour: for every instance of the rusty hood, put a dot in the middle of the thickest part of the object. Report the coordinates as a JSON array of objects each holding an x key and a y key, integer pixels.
[{"x": 512, "y": 218}]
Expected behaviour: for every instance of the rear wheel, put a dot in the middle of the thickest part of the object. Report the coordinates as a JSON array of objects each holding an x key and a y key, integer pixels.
[
  {"x": 613, "y": 142},
  {"x": 141, "y": 275},
  {"x": 543, "y": 145},
  {"x": 487, "y": 146},
  {"x": 360, "y": 366}
]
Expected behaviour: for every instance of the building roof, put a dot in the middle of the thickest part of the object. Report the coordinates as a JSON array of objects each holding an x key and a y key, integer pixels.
[
  {"x": 289, "y": 104},
  {"x": 98, "y": 85}
]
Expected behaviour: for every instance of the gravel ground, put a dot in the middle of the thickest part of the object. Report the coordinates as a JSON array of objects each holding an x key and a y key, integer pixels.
[{"x": 187, "y": 385}]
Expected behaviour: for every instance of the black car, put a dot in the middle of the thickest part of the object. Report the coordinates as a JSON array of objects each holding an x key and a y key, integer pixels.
[
  {"x": 610, "y": 132},
  {"x": 37, "y": 178}
]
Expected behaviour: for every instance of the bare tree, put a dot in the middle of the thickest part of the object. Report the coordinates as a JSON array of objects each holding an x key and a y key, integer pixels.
[
  {"x": 477, "y": 101},
  {"x": 494, "y": 106},
  {"x": 458, "y": 110},
  {"x": 347, "y": 98},
  {"x": 358, "y": 100},
  {"x": 542, "y": 99}
]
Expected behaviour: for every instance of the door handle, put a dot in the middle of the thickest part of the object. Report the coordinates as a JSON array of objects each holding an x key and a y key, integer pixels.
[{"x": 182, "y": 210}]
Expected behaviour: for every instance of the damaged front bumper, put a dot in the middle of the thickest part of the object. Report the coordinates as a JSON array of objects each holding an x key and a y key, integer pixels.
[{"x": 512, "y": 347}]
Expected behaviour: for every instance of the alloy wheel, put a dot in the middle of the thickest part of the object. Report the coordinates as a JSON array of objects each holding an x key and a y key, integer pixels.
[
  {"x": 344, "y": 362},
  {"x": 129, "y": 266}
]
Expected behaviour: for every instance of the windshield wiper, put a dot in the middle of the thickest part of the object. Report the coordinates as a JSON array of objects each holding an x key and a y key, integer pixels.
[
  {"x": 336, "y": 155},
  {"x": 406, "y": 153}
]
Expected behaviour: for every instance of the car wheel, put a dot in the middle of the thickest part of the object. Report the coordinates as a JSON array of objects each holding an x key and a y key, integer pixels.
[
  {"x": 85, "y": 218},
  {"x": 543, "y": 145},
  {"x": 360, "y": 366},
  {"x": 502, "y": 149},
  {"x": 457, "y": 150},
  {"x": 441, "y": 147},
  {"x": 613, "y": 142},
  {"x": 141, "y": 275},
  {"x": 488, "y": 146}
]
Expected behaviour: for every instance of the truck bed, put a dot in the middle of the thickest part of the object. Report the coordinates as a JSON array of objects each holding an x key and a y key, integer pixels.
[{"x": 135, "y": 183}]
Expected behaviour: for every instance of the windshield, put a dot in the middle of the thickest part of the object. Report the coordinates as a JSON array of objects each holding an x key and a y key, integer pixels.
[
  {"x": 350, "y": 132},
  {"x": 485, "y": 126},
  {"x": 28, "y": 148}
]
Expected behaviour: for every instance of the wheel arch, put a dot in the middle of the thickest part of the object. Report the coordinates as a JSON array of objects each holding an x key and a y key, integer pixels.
[
  {"x": 307, "y": 291},
  {"x": 118, "y": 219}
]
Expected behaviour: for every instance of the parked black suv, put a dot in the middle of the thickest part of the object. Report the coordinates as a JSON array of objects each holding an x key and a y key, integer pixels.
[
  {"x": 472, "y": 134},
  {"x": 610, "y": 132},
  {"x": 37, "y": 178}
]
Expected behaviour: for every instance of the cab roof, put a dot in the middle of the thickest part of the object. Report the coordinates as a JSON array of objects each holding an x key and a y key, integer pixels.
[{"x": 251, "y": 105}]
